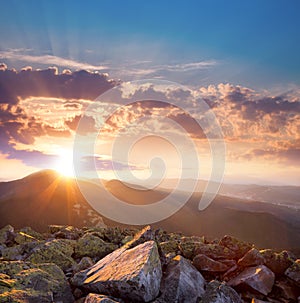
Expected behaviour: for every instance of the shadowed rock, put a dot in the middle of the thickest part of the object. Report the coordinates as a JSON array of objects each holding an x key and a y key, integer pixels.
[
  {"x": 277, "y": 262},
  {"x": 259, "y": 278},
  {"x": 95, "y": 298},
  {"x": 293, "y": 272},
  {"x": 181, "y": 282},
  {"x": 202, "y": 262},
  {"x": 251, "y": 258},
  {"x": 214, "y": 251},
  {"x": 217, "y": 292},
  {"x": 239, "y": 247}
]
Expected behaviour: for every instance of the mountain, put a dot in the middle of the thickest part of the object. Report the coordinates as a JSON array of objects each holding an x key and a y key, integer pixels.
[
  {"x": 47, "y": 198},
  {"x": 44, "y": 198}
]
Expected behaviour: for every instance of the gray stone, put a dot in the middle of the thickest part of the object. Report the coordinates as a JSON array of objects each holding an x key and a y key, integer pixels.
[
  {"x": 259, "y": 278},
  {"x": 251, "y": 258},
  {"x": 181, "y": 282},
  {"x": 277, "y": 262},
  {"x": 27, "y": 282},
  {"x": 84, "y": 263},
  {"x": 92, "y": 246},
  {"x": 7, "y": 235},
  {"x": 95, "y": 298},
  {"x": 204, "y": 263},
  {"x": 133, "y": 274},
  {"x": 293, "y": 272},
  {"x": 217, "y": 292},
  {"x": 239, "y": 247}
]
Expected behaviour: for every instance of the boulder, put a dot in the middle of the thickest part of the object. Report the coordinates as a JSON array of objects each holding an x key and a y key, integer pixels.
[
  {"x": 84, "y": 263},
  {"x": 29, "y": 231},
  {"x": 18, "y": 252},
  {"x": 277, "y": 262},
  {"x": 204, "y": 263},
  {"x": 146, "y": 234},
  {"x": 251, "y": 258},
  {"x": 239, "y": 247},
  {"x": 293, "y": 272},
  {"x": 134, "y": 274},
  {"x": 215, "y": 251},
  {"x": 188, "y": 246},
  {"x": 7, "y": 235},
  {"x": 57, "y": 251},
  {"x": 26, "y": 282},
  {"x": 217, "y": 292},
  {"x": 13, "y": 253},
  {"x": 169, "y": 247},
  {"x": 67, "y": 232},
  {"x": 259, "y": 278},
  {"x": 286, "y": 289},
  {"x": 95, "y": 298},
  {"x": 181, "y": 282},
  {"x": 21, "y": 238},
  {"x": 92, "y": 246}
]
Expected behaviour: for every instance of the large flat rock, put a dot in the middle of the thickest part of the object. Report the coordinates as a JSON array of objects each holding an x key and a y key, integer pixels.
[{"x": 133, "y": 274}]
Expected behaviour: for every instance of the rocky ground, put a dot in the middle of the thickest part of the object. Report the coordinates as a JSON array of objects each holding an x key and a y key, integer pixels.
[{"x": 93, "y": 265}]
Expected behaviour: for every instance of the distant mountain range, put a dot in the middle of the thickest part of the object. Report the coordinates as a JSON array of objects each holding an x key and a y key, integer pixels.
[{"x": 47, "y": 198}]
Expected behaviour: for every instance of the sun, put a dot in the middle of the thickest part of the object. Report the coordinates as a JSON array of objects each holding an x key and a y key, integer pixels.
[{"x": 64, "y": 164}]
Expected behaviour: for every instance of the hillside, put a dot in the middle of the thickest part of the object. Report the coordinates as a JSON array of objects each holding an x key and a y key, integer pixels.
[{"x": 46, "y": 198}]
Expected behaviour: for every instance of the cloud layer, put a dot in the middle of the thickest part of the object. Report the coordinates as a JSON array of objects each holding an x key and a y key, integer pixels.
[{"x": 37, "y": 104}]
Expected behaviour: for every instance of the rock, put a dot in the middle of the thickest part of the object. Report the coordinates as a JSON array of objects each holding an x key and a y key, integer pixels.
[
  {"x": 84, "y": 263},
  {"x": 95, "y": 298},
  {"x": 18, "y": 252},
  {"x": 26, "y": 282},
  {"x": 251, "y": 258},
  {"x": 13, "y": 253},
  {"x": 277, "y": 262},
  {"x": 202, "y": 262},
  {"x": 7, "y": 235},
  {"x": 22, "y": 238},
  {"x": 239, "y": 247},
  {"x": 134, "y": 274},
  {"x": 293, "y": 272},
  {"x": 57, "y": 251},
  {"x": 113, "y": 235},
  {"x": 217, "y": 292},
  {"x": 93, "y": 246},
  {"x": 29, "y": 231},
  {"x": 52, "y": 229},
  {"x": 188, "y": 246},
  {"x": 146, "y": 234},
  {"x": 126, "y": 239},
  {"x": 285, "y": 289},
  {"x": 215, "y": 251},
  {"x": 181, "y": 282},
  {"x": 68, "y": 232},
  {"x": 259, "y": 278},
  {"x": 169, "y": 247}
]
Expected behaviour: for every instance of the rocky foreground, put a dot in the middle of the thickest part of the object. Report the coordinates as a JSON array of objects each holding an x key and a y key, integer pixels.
[{"x": 92, "y": 265}]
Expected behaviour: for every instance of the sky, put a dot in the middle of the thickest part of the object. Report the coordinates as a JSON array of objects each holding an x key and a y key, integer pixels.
[{"x": 240, "y": 57}]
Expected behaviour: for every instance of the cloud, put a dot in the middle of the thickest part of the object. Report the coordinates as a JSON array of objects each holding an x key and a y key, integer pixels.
[
  {"x": 36, "y": 104},
  {"x": 150, "y": 69},
  {"x": 88, "y": 124},
  {"x": 101, "y": 163},
  {"x": 49, "y": 83},
  {"x": 14, "y": 54}
]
